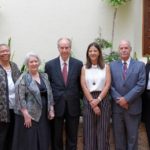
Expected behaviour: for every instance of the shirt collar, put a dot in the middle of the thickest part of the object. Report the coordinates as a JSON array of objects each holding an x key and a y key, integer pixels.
[
  {"x": 127, "y": 61},
  {"x": 62, "y": 61}
]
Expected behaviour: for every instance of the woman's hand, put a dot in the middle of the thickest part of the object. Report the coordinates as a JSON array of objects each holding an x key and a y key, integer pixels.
[
  {"x": 51, "y": 114},
  {"x": 97, "y": 110},
  {"x": 94, "y": 103},
  {"x": 27, "y": 118}
]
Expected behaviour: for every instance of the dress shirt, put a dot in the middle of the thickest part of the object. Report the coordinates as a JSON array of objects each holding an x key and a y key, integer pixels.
[
  {"x": 11, "y": 88},
  {"x": 148, "y": 84},
  {"x": 62, "y": 63},
  {"x": 128, "y": 62}
]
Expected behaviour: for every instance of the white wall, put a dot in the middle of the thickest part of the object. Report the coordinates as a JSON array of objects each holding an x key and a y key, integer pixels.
[{"x": 35, "y": 25}]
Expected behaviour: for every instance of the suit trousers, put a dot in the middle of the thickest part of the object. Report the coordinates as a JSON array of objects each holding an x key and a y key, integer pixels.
[
  {"x": 147, "y": 113},
  {"x": 71, "y": 130},
  {"x": 6, "y": 132},
  {"x": 125, "y": 128}
]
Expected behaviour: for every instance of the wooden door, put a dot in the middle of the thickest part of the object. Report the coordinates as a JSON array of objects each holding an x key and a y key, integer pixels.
[{"x": 146, "y": 27}]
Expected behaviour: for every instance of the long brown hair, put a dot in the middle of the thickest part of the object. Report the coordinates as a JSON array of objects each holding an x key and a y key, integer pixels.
[{"x": 100, "y": 61}]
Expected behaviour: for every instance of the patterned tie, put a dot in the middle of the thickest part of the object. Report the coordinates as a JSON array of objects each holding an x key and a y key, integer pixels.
[
  {"x": 64, "y": 73},
  {"x": 124, "y": 70}
]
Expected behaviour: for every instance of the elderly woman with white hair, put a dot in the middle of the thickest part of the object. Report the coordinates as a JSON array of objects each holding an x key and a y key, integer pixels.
[{"x": 33, "y": 108}]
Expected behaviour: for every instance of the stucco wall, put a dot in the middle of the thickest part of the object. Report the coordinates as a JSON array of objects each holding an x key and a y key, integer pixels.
[{"x": 35, "y": 25}]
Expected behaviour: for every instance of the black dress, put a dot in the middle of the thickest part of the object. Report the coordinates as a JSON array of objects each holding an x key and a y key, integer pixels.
[{"x": 38, "y": 136}]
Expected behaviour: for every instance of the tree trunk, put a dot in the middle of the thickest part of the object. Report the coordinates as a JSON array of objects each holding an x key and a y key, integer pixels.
[{"x": 113, "y": 27}]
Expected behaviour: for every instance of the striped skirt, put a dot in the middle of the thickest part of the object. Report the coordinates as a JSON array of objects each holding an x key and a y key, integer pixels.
[{"x": 96, "y": 129}]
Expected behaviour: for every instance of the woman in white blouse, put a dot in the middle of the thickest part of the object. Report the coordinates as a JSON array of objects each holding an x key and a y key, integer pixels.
[{"x": 95, "y": 82}]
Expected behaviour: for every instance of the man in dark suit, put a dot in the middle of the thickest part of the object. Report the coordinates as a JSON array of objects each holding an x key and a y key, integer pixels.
[
  {"x": 146, "y": 102},
  {"x": 128, "y": 83},
  {"x": 64, "y": 75}
]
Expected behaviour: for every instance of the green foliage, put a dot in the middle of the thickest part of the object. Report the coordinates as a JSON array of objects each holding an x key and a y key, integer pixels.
[
  {"x": 9, "y": 42},
  {"x": 23, "y": 68},
  {"x": 135, "y": 56},
  {"x": 103, "y": 43},
  {"x": 117, "y": 3},
  {"x": 111, "y": 56},
  {"x": 9, "y": 45}
]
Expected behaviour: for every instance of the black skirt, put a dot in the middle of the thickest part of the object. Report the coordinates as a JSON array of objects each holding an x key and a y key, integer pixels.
[{"x": 35, "y": 138}]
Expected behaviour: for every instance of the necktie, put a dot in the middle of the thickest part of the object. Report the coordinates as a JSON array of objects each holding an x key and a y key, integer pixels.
[
  {"x": 124, "y": 70},
  {"x": 64, "y": 73}
]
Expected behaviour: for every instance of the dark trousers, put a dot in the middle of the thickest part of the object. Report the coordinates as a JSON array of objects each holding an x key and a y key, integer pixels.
[
  {"x": 6, "y": 133},
  {"x": 146, "y": 110},
  {"x": 71, "y": 131}
]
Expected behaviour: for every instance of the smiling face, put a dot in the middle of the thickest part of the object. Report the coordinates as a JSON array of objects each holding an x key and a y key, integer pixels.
[
  {"x": 124, "y": 50},
  {"x": 4, "y": 53},
  {"x": 93, "y": 54},
  {"x": 33, "y": 64},
  {"x": 64, "y": 48}
]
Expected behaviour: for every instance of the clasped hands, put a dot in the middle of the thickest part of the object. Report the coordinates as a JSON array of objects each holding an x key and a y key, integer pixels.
[
  {"x": 94, "y": 104},
  {"x": 122, "y": 102}
]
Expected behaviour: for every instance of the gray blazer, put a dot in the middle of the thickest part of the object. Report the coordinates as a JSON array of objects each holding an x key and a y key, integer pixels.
[
  {"x": 28, "y": 95},
  {"x": 131, "y": 88}
]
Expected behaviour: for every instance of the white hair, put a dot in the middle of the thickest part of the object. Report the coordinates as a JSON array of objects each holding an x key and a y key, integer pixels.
[{"x": 31, "y": 54}]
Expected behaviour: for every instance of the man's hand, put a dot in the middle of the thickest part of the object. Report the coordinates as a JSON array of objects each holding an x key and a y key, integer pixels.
[{"x": 123, "y": 102}]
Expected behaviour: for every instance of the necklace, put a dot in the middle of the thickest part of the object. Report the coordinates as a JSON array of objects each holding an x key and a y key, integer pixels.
[
  {"x": 94, "y": 74},
  {"x": 94, "y": 80}
]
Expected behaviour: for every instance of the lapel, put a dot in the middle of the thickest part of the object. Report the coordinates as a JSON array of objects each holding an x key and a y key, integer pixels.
[
  {"x": 70, "y": 71},
  {"x": 33, "y": 88},
  {"x": 58, "y": 70},
  {"x": 129, "y": 70},
  {"x": 119, "y": 70}
]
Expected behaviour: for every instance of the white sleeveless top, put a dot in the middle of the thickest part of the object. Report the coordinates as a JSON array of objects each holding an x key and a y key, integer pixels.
[{"x": 95, "y": 78}]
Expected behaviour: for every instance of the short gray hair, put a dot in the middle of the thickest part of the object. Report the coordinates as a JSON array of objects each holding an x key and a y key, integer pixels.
[
  {"x": 128, "y": 42},
  {"x": 64, "y": 38},
  {"x": 31, "y": 54}
]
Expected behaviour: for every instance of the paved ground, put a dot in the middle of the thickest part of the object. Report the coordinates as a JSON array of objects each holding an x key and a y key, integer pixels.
[{"x": 142, "y": 141}]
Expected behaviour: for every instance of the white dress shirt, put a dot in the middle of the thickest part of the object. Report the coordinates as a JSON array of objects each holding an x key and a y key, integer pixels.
[
  {"x": 11, "y": 89},
  {"x": 148, "y": 84},
  {"x": 62, "y": 63}
]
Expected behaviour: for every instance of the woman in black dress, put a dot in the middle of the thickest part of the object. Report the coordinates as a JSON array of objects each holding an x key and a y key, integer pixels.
[{"x": 34, "y": 105}]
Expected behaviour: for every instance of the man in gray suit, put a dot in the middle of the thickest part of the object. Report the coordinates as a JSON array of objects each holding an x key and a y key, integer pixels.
[{"x": 128, "y": 83}]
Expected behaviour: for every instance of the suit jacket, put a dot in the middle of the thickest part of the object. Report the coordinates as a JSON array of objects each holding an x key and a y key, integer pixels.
[
  {"x": 28, "y": 95},
  {"x": 65, "y": 96},
  {"x": 4, "y": 101},
  {"x": 147, "y": 73},
  {"x": 131, "y": 88},
  {"x": 145, "y": 97}
]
